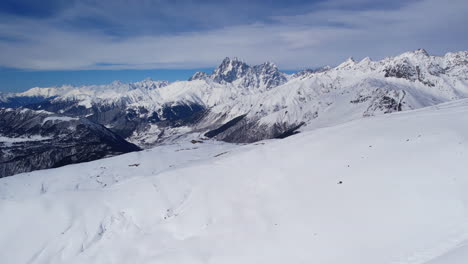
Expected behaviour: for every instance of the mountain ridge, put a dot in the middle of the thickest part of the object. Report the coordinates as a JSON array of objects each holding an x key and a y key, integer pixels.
[{"x": 272, "y": 103}]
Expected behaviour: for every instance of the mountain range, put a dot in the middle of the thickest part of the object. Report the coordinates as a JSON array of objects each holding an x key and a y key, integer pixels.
[{"x": 240, "y": 103}]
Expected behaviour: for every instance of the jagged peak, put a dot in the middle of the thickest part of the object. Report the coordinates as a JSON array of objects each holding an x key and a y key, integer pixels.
[
  {"x": 269, "y": 64},
  {"x": 116, "y": 82},
  {"x": 198, "y": 76},
  {"x": 266, "y": 66},
  {"x": 347, "y": 63},
  {"x": 421, "y": 51},
  {"x": 230, "y": 70},
  {"x": 228, "y": 63},
  {"x": 233, "y": 59},
  {"x": 366, "y": 60}
]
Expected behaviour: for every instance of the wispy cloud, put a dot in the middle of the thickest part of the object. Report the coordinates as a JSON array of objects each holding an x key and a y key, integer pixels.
[{"x": 91, "y": 36}]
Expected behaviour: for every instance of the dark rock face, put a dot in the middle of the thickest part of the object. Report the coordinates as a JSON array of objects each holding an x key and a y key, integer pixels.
[
  {"x": 386, "y": 102},
  {"x": 32, "y": 140},
  {"x": 290, "y": 132},
  {"x": 245, "y": 130},
  {"x": 403, "y": 70},
  {"x": 412, "y": 73},
  {"x": 181, "y": 113},
  {"x": 224, "y": 127}
]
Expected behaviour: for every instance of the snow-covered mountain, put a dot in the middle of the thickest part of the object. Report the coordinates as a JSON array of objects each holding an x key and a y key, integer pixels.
[
  {"x": 242, "y": 103},
  {"x": 234, "y": 71},
  {"x": 384, "y": 189},
  {"x": 33, "y": 140}
]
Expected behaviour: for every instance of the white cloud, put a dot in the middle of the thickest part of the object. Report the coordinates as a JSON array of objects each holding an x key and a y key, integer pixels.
[{"x": 322, "y": 37}]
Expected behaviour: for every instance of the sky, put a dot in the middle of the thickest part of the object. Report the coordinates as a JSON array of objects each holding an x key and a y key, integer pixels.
[{"x": 54, "y": 42}]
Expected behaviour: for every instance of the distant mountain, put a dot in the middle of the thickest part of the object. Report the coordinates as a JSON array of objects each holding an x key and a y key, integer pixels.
[
  {"x": 234, "y": 71},
  {"x": 32, "y": 140},
  {"x": 242, "y": 103}
]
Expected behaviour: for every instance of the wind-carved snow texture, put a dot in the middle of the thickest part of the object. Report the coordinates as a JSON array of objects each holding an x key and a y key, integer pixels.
[
  {"x": 385, "y": 189},
  {"x": 272, "y": 103}
]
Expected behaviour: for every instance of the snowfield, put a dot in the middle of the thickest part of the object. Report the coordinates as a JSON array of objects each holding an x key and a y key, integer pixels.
[{"x": 387, "y": 189}]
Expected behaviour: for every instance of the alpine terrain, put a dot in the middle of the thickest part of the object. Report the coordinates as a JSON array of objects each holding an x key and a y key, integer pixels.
[
  {"x": 383, "y": 189},
  {"x": 241, "y": 103},
  {"x": 236, "y": 103}
]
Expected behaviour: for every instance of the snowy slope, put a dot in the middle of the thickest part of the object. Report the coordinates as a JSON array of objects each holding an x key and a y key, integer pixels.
[{"x": 385, "y": 189}]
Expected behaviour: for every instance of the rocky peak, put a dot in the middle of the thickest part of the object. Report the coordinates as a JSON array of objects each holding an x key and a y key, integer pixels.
[
  {"x": 199, "y": 76},
  {"x": 421, "y": 52},
  {"x": 230, "y": 70},
  {"x": 268, "y": 75},
  {"x": 234, "y": 70},
  {"x": 266, "y": 68}
]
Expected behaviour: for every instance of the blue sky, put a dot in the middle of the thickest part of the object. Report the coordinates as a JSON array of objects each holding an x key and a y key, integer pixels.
[
  {"x": 19, "y": 80},
  {"x": 53, "y": 42}
]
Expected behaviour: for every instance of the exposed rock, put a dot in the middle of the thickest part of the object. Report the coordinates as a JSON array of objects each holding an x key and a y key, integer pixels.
[{"x": 32, "y": 140}]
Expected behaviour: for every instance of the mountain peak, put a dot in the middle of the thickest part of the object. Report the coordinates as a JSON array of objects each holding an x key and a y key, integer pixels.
[
  {"x": 421, "y": 52},
  {"x": 365, "y": 60},
  {"x": 347, "y": 63},
  {"x": 230, "y": 60},
  {"x": 269, "y": 65},
  {"x": 116, "y": 83},
  {"x": 199, "y": 76},
  {"x": 264, "y": 75},
  {"x": 230, "y": 70},
  {"x": 350, "y": 59}
]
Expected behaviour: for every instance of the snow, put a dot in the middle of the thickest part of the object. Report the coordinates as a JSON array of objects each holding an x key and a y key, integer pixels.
[
  {"x": 58, "y": 118},
  {"x": 459, "y": 255},
  {"x": 22, "y": 139},
  {"x": 385, "y": 189},
  {"x": 318, "y": 99}
]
